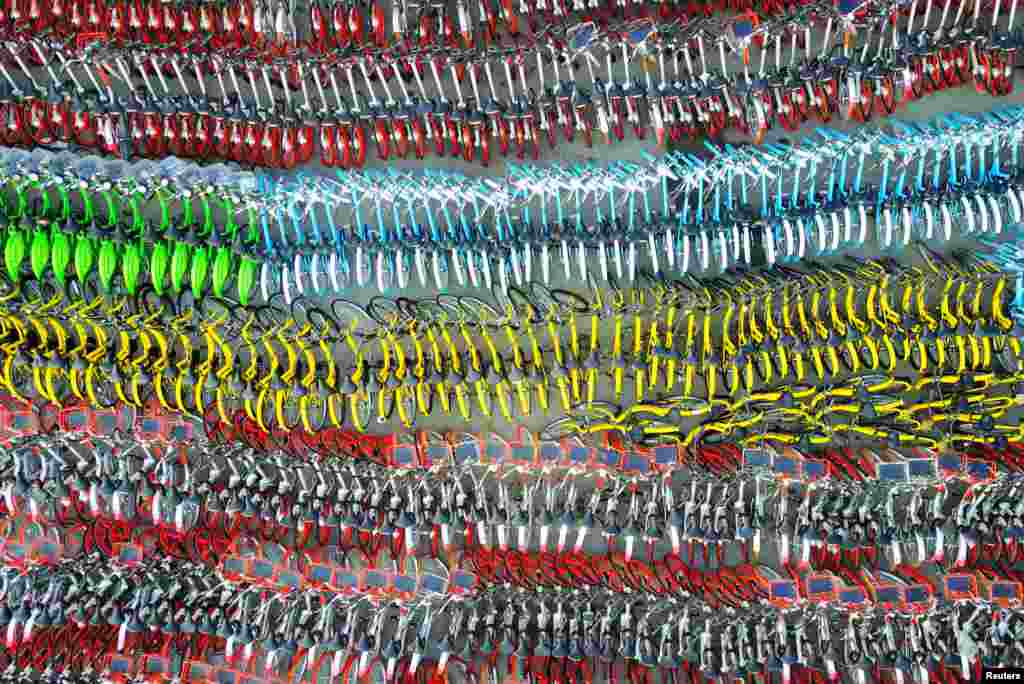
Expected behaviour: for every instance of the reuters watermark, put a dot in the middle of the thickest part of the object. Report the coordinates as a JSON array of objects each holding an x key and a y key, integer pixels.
[{"x": 1002, "y": 674}]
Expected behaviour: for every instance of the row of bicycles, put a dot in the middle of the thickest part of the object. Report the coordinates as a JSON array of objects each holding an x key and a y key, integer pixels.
[
  {"x": 88, "y": 576},
  {"x": 508, "y": 633},
  {"x": 730, "y": 411},
  {"x": 530, "y": 350},
  {"x": 325, "y": 25},
  {"x": 671, "y": 80},
  {"x": 485, "y": 497},
  {"x": 868, "y": 538},
  {"x": 801, "y": 495},
  {"x": 176, "y": 227}
]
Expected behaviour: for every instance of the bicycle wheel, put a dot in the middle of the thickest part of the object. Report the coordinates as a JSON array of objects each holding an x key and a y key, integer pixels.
[
  {"x": 481, "y": 312},
  {"x": 353, "y": 318},
  {"x": 759, "y": 120},
  {"x": 385, "y": 312},
  {"x": 101, "y": 388},
  {"x": 962, "y": 63},
  {"x": 437, "y": 132},
  {"x": 424, "y": 397},
  {"x": 288, "y": 409},
  {"x": 358, "y": 146},
  {"x": 419, "y": 138},
  {"x": 566, "y": 301},
  {"x": 560, "y": 428},
  {"x": 533, "y": 133},
  {"x": 361, "y": 409},
  {"x": 468, "y": 146},
  {"x": 688, "y": 407},
  {"x": 933, "y": 72},
  {"x": 337, "y": 409},
  {"x": 918, "y": 82},
  {"x": 56, "y": 383},
  {"x": 405, "y": 402},
  {"x": 485, "y": 148},
  {"x": 886, "y": 97},
  {"x": 862, "y": 109},
  {"x": 400, "y": 135},
  {"x": 823, "y": 106},
  {"x": 788, "y": 114},
  {"x": 483, "y": 396},
  {"x": 595, "y": 412}
]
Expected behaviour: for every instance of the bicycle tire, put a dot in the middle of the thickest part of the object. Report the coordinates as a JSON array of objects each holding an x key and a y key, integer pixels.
[
  {"x": 350, "y": 316},
  {"x": 558, "y": 429},
  {"x": 481, "y": 312},
  {"x": 385, "y": 312}
]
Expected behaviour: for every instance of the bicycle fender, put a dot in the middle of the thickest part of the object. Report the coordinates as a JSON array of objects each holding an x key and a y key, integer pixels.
[
  {"x": 14, "y": 254},
  {"x": 83, "y": 258},
  {"x": 132, "y": 267},
  {"x": 107, "y": 264},
  {"x": 200, "y": 267},
  {"x": 221, "y": 271},
  {"x": 40, "y": 255},
  {"x": 60, "y": 255},
  {"x": 179, "y": 266},
  {"x": 246, "y": 280},
  {"x": 158, "y": 264}
]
